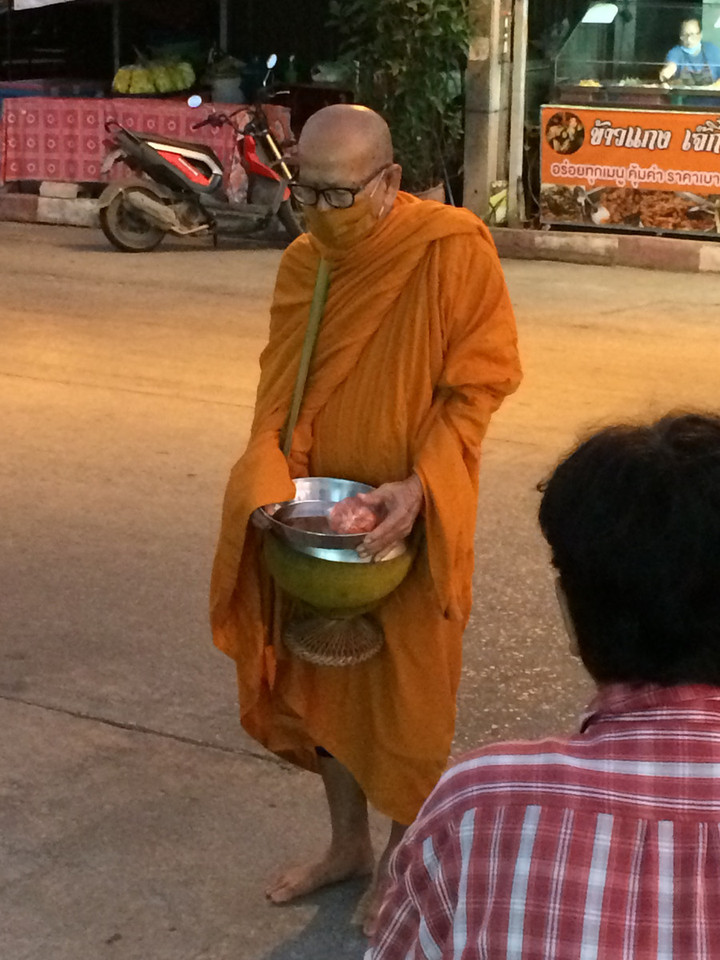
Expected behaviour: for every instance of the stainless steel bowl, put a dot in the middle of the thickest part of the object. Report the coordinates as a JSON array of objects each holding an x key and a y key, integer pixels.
[{"x": 315, "y": 497}]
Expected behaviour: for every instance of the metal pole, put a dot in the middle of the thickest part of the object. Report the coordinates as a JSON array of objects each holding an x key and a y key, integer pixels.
[
  {"x": 482, "y": 105},
  {"x": 517, "y": 115},
  {"x": 224, "y": 25},
  {"x": 8, "y": 42},
  {"x": 116, "y": 34}
]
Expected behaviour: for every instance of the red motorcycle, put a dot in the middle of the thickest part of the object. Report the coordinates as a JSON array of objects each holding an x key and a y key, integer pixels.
[{"x": 182, "y": 193}]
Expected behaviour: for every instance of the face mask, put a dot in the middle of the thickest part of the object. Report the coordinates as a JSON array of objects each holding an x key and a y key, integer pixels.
[
  {"x": 341, "y": 229},
  {"x": 694, "y": 51}
]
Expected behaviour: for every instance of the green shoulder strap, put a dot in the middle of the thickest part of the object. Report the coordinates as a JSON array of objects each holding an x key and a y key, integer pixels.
[{"x": 317, "y": 309}]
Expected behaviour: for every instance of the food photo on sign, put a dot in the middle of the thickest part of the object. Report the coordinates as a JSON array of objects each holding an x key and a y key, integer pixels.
[
  {"x": 564, "y": 132},
  {"x": 608, "y": 168}
]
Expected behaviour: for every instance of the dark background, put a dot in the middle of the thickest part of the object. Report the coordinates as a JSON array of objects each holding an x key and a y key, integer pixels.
[{"x": 82, "y": 33}]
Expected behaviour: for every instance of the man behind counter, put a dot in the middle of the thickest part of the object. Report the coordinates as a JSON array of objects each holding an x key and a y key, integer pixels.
[{"x": 694, "y": 62}]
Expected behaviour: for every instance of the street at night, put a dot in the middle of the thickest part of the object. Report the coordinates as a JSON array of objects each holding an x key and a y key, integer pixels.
[{"x": 138, "y": 821}]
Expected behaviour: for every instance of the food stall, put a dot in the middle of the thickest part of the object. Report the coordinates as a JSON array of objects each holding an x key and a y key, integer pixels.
[{"x": 632, "y": 139}]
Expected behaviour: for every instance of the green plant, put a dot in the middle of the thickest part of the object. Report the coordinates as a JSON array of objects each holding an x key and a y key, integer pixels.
[{"x": 410, "y": 57}]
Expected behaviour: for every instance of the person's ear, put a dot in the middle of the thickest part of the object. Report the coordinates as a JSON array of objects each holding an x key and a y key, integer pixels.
[
  {"x": 392, "y": 177},
  {"x": 567, "y": 618},
  {"x": 395, "y": 176}
]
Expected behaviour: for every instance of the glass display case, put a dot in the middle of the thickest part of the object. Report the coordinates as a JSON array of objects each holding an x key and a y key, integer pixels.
[
  {"x": 632, "y": 141},
  {"x": 642, "y": 53}
]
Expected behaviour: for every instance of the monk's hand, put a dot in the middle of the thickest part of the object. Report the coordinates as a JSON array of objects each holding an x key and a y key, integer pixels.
[
  {"x": 399, "y": 503},
  {"x": 259, "y": 517}
]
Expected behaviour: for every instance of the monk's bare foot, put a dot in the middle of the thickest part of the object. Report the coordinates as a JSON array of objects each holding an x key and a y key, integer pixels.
[
  {"x": 368, "y": 910},
  {"x": 337, "y": 864}
]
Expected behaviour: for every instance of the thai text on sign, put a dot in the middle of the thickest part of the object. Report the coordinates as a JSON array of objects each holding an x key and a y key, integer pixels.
[{"x": 673, "y": 156}]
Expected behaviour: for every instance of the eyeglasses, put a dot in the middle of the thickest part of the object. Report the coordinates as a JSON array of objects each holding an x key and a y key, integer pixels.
[
  {"x": 689, "y": 34},
  {"x": 339, "y": 197}
]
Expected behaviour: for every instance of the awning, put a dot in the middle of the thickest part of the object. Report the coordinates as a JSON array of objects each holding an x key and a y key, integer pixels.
[
  {"x": 29, "y": 4},
  {"x": 33, "y": 4},
  {"x": 6, "y": 5}
]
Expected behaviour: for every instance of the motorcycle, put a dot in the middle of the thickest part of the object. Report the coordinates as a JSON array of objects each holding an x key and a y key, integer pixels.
[{"x": 184, "y": 194}]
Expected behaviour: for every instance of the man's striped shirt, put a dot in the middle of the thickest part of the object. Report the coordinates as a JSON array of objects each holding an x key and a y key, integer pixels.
[{"x": 604, "y": 845}]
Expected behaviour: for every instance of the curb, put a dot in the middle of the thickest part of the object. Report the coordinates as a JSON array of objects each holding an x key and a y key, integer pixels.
[
  {"x": 681, "y": 255},
  {"x": 31, "y": 208},
  {"x": 72, "y": 213}
]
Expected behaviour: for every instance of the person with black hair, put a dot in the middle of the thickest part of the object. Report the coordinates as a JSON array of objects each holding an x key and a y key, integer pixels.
[
  {"x": 633, "y": 520},
  {"x": 606, "y": 844}
]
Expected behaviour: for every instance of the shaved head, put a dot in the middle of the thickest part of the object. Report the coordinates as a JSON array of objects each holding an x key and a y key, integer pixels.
[
  {"x": 343, "y": 144},
  {"x": 350, "y": 146}
]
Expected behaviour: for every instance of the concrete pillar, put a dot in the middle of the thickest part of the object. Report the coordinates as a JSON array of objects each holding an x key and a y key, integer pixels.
[
  {"x": 483, "y": 104},
  {"x": 516, "y": 156}
]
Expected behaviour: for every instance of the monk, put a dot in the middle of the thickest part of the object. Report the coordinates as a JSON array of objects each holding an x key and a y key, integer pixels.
[{"x": 416, "y": 350}]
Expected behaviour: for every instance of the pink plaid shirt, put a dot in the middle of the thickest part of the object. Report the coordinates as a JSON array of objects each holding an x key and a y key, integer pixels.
[{"x": 604, "y": 845}]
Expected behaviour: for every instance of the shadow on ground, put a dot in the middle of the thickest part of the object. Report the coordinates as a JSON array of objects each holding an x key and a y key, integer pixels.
[
  {"x": 331, "y": 933},
  {"x": 253, "y": 241}
]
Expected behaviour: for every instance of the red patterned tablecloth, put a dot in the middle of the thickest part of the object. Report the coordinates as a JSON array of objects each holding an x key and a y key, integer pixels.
[{"x": 47, "y": 138}]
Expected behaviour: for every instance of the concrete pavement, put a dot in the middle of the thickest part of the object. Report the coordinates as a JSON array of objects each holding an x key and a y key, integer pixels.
[{"x": 137, "y": 821}]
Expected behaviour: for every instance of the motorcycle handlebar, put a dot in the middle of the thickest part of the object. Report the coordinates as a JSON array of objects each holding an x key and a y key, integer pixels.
[
  {"x": 220, "y": 119},
  {"x": 214, "y": 120}
]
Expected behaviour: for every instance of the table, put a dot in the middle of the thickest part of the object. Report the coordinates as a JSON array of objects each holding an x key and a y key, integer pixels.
[{"x": 64, "y": 139}]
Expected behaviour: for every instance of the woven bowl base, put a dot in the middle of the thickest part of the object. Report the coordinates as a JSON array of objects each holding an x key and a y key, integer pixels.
[{"x": 334, "y": 643}]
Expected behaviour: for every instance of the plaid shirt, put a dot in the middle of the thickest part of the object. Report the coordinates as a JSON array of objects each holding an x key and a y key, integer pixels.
[{"x": 604, "y": 845}]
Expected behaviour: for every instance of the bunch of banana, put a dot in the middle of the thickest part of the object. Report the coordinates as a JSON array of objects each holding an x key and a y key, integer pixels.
[
  {"x": 123, "y": 80},
  {"x": 163, "y": 78},
  {"x": 142, "y": 82},
  {"x": 151, "y": 77},
  {"x": 185, "y": 75}
]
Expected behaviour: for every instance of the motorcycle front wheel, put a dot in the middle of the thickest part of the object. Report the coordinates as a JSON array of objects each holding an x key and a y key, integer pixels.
[
  {"x": 126, "y": 227},
  {"x": 290, "y": 220}
]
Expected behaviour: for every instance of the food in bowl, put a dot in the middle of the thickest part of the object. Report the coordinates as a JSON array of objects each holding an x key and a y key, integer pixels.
[{"x": 351, "y": 515}]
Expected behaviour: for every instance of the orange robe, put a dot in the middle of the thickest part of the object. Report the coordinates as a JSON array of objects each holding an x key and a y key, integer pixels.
[{"x": 417, "y": 349}]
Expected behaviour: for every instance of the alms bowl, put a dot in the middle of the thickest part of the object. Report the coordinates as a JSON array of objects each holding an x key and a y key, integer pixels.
[
  {"x": 339, "y": 589},
  {"x": 322, "y": 568}
]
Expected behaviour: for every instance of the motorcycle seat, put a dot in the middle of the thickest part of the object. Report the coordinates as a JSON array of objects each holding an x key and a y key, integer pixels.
[{"x": 173, "y": 142}]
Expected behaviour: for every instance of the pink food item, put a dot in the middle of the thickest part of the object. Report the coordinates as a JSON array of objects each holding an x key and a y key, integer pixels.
[{"x": 351, "y": 515}]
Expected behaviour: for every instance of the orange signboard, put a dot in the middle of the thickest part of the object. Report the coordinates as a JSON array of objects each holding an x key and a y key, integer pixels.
[{"x": 634, "y": 169}]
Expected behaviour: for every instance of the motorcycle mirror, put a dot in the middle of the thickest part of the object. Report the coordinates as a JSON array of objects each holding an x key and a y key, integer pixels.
[
  {"x": 195, "y": 101},
  {"x": 271, "y": 62}
]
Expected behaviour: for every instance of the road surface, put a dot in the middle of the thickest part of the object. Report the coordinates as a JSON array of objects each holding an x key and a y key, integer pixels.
[{"x": 137, "y": 819}]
